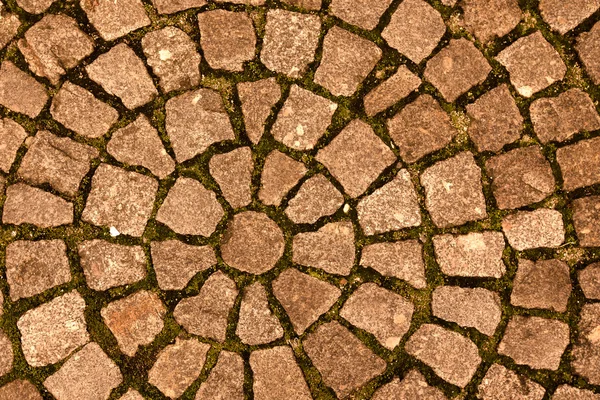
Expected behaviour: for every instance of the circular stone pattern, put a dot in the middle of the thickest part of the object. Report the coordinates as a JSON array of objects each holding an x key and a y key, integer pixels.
[{"x": 253, "y": 243}]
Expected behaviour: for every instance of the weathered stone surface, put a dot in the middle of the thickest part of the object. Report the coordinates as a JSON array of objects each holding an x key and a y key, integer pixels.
[
  {"x": 54, "y": 330},
  {"x": 173, "y": 6},
  {"x": 58, "y": 161},
  {"x": 563, "y": 17},
  {"x": 107, "y": 265},
  {"x": 414, "y": 29},
  {"x": 195, "y": 120},
  {"x": 534, "y": 341},
  {"x": 344, "y": 362},
  {"x": 579, "y": 163},
  {"x": 190, "y": 208},
  {"x": 9, "y": 25},
  {"x": 331, "y": 248},
  {"x": 589, "y": 280},
  {"x": 135, "y": 320},
  {"x": 383, "y": 313},
  {"x": 227, "y": 39},
  {"x": 173, "y": 58},
  {"x": 316, "y": 198},
  {"x": 233, "y": 173},
  {"x": 6, "y": 355},
  {"x": 177, "y": 366},
  {"x": 258, "y": 99},
  {"x": 490, "y": 19},
  {"x": 533, "y": 64},
  {"x": 12, "y": 136},
  {"x": 226, "y": 379},
  {"x": 28, "y": 205},
  {"x": 347, "y": 60},
  {"x": 132, "y": 394},
  {"x": 392, "y": 90},
  {"x": 589, "y": 51},
  {"x": 420, "y": 128},
  {"x": 120, "y": 199},
  {"x": 495, "y": 120},
  {"x": 500, "y": 383},
  {"x": 356, "y": 157},
  {"x": 280, "y": 174},
  {"x": 19, "y": 390},
  {"x": 360, "y": 13},
  {"x": 542, "y": 284},
  {"x": 290, "y": 41},
  {"x": 402, "y": 260},
  {"x": 303, "y": 119},
  {"x": 470, "y": 307},
  {"x": 453, "y": 357},
  {"x": 78, "y": 110},
  {"x": 54, "y": 45},
  {"x": 304, "y": 297},
  {"x": 586, "y": 351},
  {"x": 306, "y": 4},
  {"x": 20, "y": 92},
  {"x": 256, "y": 323},
  {"x": 565, "y": 392},
  {"x": 33, "y": 267},
  {"x": 175, "y": 262},
  {"x": 253, "y": 243},
  {"x": 277, "y": 376},
  {"x": 35, "y": 6},
  {"x": 392, "y": 207},
  {"x": 206, "y": 314},
  {"x": 114, "y": 19},
  {"x": 413, "y": 386},
  {"x": 530, "y": 229},
  {"x": 586, "y": 214}
]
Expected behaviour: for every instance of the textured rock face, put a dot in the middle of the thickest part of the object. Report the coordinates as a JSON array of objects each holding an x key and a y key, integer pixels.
[
  {"x": 532, "y": 229},
  {"x": 542, "y": 284},
  {"x": 20, "y": 92},
  {"x": 28, "y": 205},
  {"x": 175, "y": 263}
]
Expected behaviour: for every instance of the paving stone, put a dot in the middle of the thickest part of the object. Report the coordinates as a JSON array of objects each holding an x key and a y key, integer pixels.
[
  {"x": 316, "y": 198},
  {"x": 500, "y": 383},
  {"x": 470, "y": 307},
  {"x": 107, "y": 265},
  {"x": 402, "y": 260},
  {"x": 543, "y": 284},
  {"x": 453, "y": 357},
  {"x": 589, "y": 280},
  {"x": 177, "y": 366},
  {"x": 58, "y": 161},
  {"x": 122, "y": 73},
  {"x": 586, "y": 214},
  {"x": 6, "y": 355},
  {"x": 277, "y": 376},
  {"x": 531, "y": 229},
  {"x": 579, "y": 163},
  {"x": 392, "y": 207},
  {"x": 206, "y": 314},
  {"x": 19, "y": 390},
  {"x": 586, "y": 350},
  {"x": 303, "y": 119},
  {"x": 413, "y": 386},
  {"x": 256, "y": 323},
  {"x": 304, "y": 297},
  {"x": 331, "y": 248},
  {"x": 115, "y": 19},
  {"x": 356, "y": 157},
  {"x": 174, "y": 273},
  {"x": 173, "y": 57},
  {"x": 78, "y": 110},
  {"x": 383, "y": 313},
  {"x": 457, "y": 68},
  {"x": 226, "y": 379},
  {"x": 536, "y": 342},
  {"x": 392, "y": 90},
  {"x": 490, "y": 19},
  {"x": 9, "y": 25},
  {"x": 344, "y": 362},
  {"x": 520, "y": 177},
  {"x": 233, "y": 173},
  {"x": 346, "y": 62},
  {"x": 227, "y": 39},
  {"x": 132, "y": 394},
  {"x": 33, "y": 267},
  {"x": 12, "y": 135},
  {"x": 173, "y": 6},
  {"x": 563, "y": 17},
  {"x": 453, "y": 191},
  {"x": 253, "y": 243},
  {"x": 135, "y": 320},
  {"x": 588, "y": 48},
  {"x": 533, "y": 64},
  {"x": 20, "y": 92},
  {"x": 53, "y": 45},
  {"x": 415, "y": 29},
  {"x": 359, "y": 13},
  {"x": 54, "y": 330},
  {"x": 290, "y": 41},
  {"x": 195, "y": 120},
  {"x": 258, "y": 99},
  {"x": 558, "y": 118},
  {"x": 28, "y": 205},
  {"x": 190, "y": 208},
  {"x": 420, "y": 128},
  {"x": 495, "y": 120},
  {"x": 35, "y": 6},
  {"x": 120, "y": 199},
  {"x": 565, "y": 392}
]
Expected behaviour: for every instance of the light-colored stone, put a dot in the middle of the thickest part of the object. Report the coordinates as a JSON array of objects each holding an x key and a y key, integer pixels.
[
  {"x": 280, "y": 174},
  {"x": 542, "y": 284},
  {"x": 175, "y": 262},
  {"x": 360, "y": 13},
  {"x": 501, "y": 383},
  {"x": 6, "y": 356},
  {"x": 586, "y": 350},
  {"x": 20, "y": 92},
  {"x": 233, "y": 173},
  {"x": 402, "y": 260},
  {"x": 256, "y": 323},
  {"x": 579, "y": 163},
  {"x": 28, "y": 205},
  {"x": 564, "y": 16},
  {"x": 489, "y": 19},
  {"x": 392, "y": 90},
  {"x": 565, "y": 392},
  {"x": 589, "y": 280},
  {"x": 316, "y": 198},
  {"x": 531, "y": 229},
  {"x": 114, "y": 19},
  {"x": 258, "y": 99},
  {"x": 226, "y": 379},
  {"x": 173, "y": 6},
  {"x": 12, "y": 136},
  {"x": 412, "y": 387},
  {"x": 19, "y": 390}
]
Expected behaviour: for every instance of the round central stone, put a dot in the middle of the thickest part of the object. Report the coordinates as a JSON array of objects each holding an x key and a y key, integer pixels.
[{"x": 253, "y": 243}]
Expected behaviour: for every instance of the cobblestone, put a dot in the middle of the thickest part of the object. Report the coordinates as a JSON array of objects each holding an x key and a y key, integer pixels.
[
  {"x": 233, "y": 173},
  {"x": 578, "y": 163},
  {"x": 316, "y": 198},
  {"x": 280, "y": 174},
  {"x": 174, "y": 273},
  {"x": 226, "y": 380},
  {"x": 277, "y": 375},
  {"x": 20, "y": 92},
  {"x": 490, "y": 19},
  {"x": 412, "y": 386},
  {"x": 402, "y": 260},
  {"x": 258, "y": 99},
  {"x": 589, "y": 279},
  {"x": 257, "y": 324},
  {"x": 501, "y": 383},
  {"x": 12, "y": 136},
  {"x": 19, "y": 390},
  {"x": 531, "y": 229},
  {"x": 586, "y": 351},
  {"x": 115, "y": 19},
  {"x": 28, "y": 205},
  {"x": 542, "y": 284},
  {"x": 395, "y": 88},
  {"x": 588, "y": 50}
]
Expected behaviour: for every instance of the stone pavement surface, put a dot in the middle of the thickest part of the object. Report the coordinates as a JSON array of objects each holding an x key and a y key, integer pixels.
[{"x": 299, "y": 199}]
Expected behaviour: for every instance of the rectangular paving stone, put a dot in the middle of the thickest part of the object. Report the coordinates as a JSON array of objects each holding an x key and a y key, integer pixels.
[
  {"x": 586, "y": 214},
  {"x": 21, "y": 92},
  {"x": 589, "y": 279},
  {"x": 114, "y": 19},
  {"x": 9, "y": 25},
  {"x": 28, "y": 205},
  {"x": 564, "y": 16},
  {"x": 532, "y": 229},
  {"x": 542, "y": 284},
  {"x": 360, "y": 13},
  {"x": 489, "y": 19},
  {"x": 12, "y": 135},
  {"x": 175, "y": 262},
  {"x": 580, "y": 163},
  {"x": 392, "y": 90},
  {"x": 401, "y": 259},
  {"x": 588, "y": 48}
]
